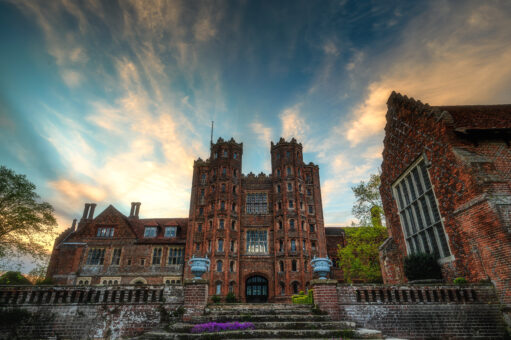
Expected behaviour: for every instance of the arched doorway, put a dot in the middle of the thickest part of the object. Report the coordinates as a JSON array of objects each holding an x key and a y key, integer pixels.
[{"x": 256, "y": 289}]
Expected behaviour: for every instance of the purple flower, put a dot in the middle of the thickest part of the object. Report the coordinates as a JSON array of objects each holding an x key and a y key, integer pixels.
[{"x": 211, "y": 327}]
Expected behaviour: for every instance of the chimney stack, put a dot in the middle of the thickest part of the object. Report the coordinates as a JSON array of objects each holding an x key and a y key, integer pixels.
[
  {"x": 91, "y": 213},
  {"x": 132, "y": 211},
  {"x": 73, "y": 226},
  {"x": 86, "y": 211},
  {"x": 137, "y": 209}
]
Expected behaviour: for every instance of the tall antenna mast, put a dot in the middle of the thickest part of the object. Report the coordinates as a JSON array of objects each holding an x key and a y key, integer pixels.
[{"x": 211, "y": 141}]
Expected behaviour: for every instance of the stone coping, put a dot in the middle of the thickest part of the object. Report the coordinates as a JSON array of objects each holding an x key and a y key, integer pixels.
[
  {"x": 323, "y": 282},
  {"x": 196, "y": 282},
  {"x": 408, "y": 284}
]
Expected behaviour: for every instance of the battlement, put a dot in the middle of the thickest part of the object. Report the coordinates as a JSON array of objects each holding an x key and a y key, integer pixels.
[{"x": 283, "y": 142}]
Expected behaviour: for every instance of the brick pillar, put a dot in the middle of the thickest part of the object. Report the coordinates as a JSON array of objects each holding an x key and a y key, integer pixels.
[
  {"x": 195, "y": 298},
  {"x": 326, "y": 298}
]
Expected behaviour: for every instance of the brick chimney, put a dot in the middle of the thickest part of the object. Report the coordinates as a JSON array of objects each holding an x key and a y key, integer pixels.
[
  {"x": 73, "y": 226},
  {"x": 91, "y": 212},
  {"x": 86, "y": 211},
  {"x": 137, "y": 209},
  {"x": 133, "y": 207}
]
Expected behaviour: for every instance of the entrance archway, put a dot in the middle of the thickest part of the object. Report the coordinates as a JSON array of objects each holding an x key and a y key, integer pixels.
[{"x": 256, "y": 289}]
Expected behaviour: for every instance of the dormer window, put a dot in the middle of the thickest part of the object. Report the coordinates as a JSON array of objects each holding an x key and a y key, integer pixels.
[
  {"x": 171, "y": 231},
  {"x": 150, "y": 232},
  {"x": 105, "y": 232}
]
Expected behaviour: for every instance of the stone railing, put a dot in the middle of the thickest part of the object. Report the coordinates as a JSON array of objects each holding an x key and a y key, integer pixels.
[
  {"x": 412, "y": 294},
  {"x": 118, "y": 294},
  {"x": 415, "y": 311}
]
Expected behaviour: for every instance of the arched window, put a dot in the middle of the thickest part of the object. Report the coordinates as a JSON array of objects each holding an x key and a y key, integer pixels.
[
  {"x": 281, "y": 266},
  {"x": 278, "y": 172},
  {"x": 233, "y": 189},
  {"x": 221, "y": 224},
  {"x": 294, "y": 285},
  {"x": 278, "y": 188},
  {"x": 235, "y": 172},
  {"x": 282, "y": 288},
  {"x": 303, "y": 245},
  {"x": 281, "y": 245},
  {"x": 220, "y": 245},
  {"x": 104, "y": 282},
  {"x": 218, "y": 290},
  {"x": 281, "y": 225},
  {"x": 203, "y": 178},
  {"x": 231, "y": 287},
  {"x": 219, "y": 266},
  {"x": 231, "y": 267},
  {"x": 300, "y": 187},
  {"x": 223, "y": 186},
  {"x": 293, "y": 245},
  {"x": 80, "y": 282},
  {"x": 233, "y": 207},
  {"x": 167, "y": 282},
  {"x": 288, "y": 171},
  {"x": 289, "y": 187},
  {"x": 303, "y": 225},
  {"x": 233, "y": 225},
  {"x": 233, "y": 246},
  {"x": 293, "y": 265},
  {"x": 291, "y": 223}
]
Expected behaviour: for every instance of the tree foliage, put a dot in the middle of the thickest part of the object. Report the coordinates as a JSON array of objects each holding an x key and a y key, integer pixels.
[
  {"x": 367, "y": 197},
  {"x": 359, "y": 260},
  {"x": 27, "y": 225},
  {"x": 14, "y": 278}
]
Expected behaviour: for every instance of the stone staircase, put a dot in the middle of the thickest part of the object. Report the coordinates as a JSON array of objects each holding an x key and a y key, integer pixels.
[{"x": 271, "y": 321}]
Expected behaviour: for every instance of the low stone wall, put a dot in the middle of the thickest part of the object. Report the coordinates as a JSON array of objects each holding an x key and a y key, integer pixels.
[
  {"x": 424, "y": 311},
  {"x": 90, "y": 312}
]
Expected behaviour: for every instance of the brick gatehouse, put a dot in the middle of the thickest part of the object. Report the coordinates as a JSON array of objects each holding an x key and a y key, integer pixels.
[{"x": 259, "y": 231}]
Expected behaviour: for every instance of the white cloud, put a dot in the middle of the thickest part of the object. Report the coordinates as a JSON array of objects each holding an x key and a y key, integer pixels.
[
  {"x": 262, "y": 132},
  {"x": 448, "y": 55},
  {"x": 71, "y": 78},
  {"x": 293, "y": 123}
]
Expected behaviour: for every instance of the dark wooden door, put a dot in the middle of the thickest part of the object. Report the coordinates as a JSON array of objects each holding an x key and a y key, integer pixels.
[{"x": 256, "y": 289}]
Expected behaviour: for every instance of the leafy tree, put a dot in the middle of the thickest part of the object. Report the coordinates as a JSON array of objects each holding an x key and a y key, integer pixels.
[
  {"x": 14, "y": 278},
  {"x": 367, "y": 197},
  {"x": 27, "y": 226},
  {"x": 359, "y": 260}
]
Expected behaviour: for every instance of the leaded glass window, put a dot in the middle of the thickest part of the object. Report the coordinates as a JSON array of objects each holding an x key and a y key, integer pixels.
[
  {"x": 257, "y": 241},
  {"x": 257, "y": 203},
  {"x": 419, "y": 214},
  {"x": 95, "y": 256},
  {"x": 176, "y": 255}
]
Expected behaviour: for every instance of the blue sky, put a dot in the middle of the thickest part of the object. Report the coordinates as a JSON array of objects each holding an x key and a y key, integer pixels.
[{"x": 111, "y": 101}]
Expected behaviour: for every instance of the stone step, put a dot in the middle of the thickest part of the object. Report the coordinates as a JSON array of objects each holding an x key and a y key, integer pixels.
[
  {"x": 276, "y": 311},
  {"x": 258, "y": 333},
  {"x": 258, "y": 306},
  {"x": 309, "y": 325},
  {"x": 261, "y": 318}
]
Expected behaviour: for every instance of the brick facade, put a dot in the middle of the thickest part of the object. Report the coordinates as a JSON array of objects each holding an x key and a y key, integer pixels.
[
  {"x": 288, "y": 215},
  {"x": 292, "y": 219},
  {"x": 467, "y": 158}
]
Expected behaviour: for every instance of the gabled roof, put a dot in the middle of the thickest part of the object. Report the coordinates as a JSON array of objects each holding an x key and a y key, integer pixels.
[
  {"x": 479, "y": 116},
  {"x": 334, "y": 231}
]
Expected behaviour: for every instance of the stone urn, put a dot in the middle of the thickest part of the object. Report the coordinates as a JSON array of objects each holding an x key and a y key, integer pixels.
[
  {"x": 199, "y": 265},
  {"x": 321, "y": 266}
]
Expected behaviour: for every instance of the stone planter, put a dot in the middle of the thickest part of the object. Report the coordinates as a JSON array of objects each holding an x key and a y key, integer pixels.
[
  {"x": 199, "y": 265},
  {"x": 321, "y": 266}
]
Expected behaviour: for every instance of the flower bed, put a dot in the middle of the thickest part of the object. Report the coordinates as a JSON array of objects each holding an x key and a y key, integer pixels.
[{"x": 211, "y": 327}]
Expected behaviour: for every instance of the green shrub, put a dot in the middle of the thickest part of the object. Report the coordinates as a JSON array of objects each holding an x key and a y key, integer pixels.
[
  {"x": 45, "y": 281},
  {"x": 422, "y": 267},
  {"x": 230, "y": 298},
  {"x": 460, "y": 281},
  {"x": 303, "y": 299},
  {"x": 216, "y": 299},
  {"x": 14, "y": 278}
]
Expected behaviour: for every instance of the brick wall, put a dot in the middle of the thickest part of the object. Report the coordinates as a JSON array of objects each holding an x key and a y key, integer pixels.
[
  {"x": 195, "y": 298},
  {"x": 85, "y": 312},
  {"x": 416, "y": 311},
  {"x": 471, "y": 181}
]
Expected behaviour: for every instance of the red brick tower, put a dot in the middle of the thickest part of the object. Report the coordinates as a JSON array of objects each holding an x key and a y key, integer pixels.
[
  {"x": 260, "y": 232},
  {"x": 215, "y": 213}
]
